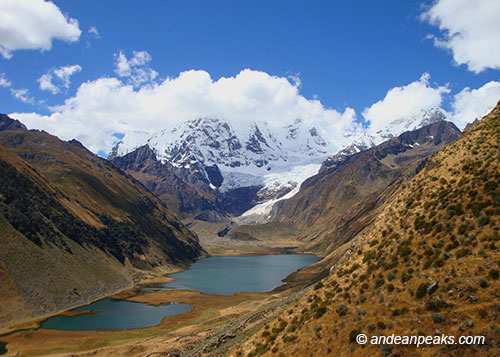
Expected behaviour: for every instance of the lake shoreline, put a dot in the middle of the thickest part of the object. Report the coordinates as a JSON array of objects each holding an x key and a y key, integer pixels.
[
  {"x": 151, "y": 278},
  {"x": 218, "y": 311}
]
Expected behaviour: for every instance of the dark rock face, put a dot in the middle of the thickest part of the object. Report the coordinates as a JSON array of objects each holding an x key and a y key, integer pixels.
[
  {"x": 184, "y": 191},
  {"x": 77, "y": 144},
  {"x": 214, "y": 175},
  {"x": 6, "y": 123},
  {"x": 239, "y": 200}
]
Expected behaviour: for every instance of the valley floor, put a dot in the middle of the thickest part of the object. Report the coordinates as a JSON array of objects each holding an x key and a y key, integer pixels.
[{"x": 215, "y": 325}]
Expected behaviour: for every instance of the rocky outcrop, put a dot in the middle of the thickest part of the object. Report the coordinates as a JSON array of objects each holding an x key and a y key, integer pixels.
[{"x": 7, "y": 123}]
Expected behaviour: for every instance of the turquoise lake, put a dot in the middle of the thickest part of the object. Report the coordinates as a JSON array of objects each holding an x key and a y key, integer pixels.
[
  {"x": 227, "y": 275},
  {"x": 213, "y": 275},
  {"x": 110, "y": 314}
]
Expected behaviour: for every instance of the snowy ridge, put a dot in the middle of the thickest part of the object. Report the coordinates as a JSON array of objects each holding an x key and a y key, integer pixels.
[
  {"x": 244, "y": 156},
  {"x": 278, "y": 159},
  {"x": 414, "y": 122}
]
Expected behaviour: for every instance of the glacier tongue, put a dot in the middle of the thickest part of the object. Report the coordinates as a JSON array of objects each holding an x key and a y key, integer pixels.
[{"x": 276, "y": 159}]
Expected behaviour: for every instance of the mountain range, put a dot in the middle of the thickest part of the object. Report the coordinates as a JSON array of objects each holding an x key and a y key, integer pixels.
[{"x": 234, "y": 168}]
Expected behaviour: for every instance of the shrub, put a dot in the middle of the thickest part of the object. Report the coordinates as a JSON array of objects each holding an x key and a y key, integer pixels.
[
  {"x": 421, "y": 290},
  {"x": 353, "y": 334},
  {"x": 354, "y": 267},
  {"x": 438, "y": 263},
  {"x": 483, "y": 220},
  {"x": 379, "y": 282},
  {"x": 400, "y": 312},
  {"x": 404, "y": 251},
  {"x": 289, "y": 338},
  {"x": 342, "y": 310},
  {"x": 369, "y": 255},
  {"x": 490, "y": 186},
  {"x": 463, "y": 229},
  {"x": 494, "y": 274},
  {"x": 455, "y": 210},
  {"x": 436, "y": 305},
  {"x": 438, "y": 318},
  {"x": 405, "y": 277},
  {"x": 320, "y": 312},
  {"x": 462, "y": 253}
]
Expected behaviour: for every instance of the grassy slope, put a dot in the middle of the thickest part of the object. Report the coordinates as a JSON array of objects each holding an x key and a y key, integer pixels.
[
  {"x": 335, "y": 205},
  {"x": 442, "y": 227},
  {"x": 75, "y": 228}
]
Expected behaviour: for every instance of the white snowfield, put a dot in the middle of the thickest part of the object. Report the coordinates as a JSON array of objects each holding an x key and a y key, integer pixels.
[{"x": 256, "y": 154}]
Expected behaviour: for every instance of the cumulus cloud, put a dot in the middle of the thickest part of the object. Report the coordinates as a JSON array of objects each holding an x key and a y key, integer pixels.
[
  {"x": 405, "y": 101},
  {"x": 45, "y": 83},
  {"x": 94, "y": 32},
  {"x": 32, "y": 25},
  {"x": 469, "y": 105},
  {"x": 62, "y": 77},
  {"x": 107, "y": 106},
  {"x": 136, "y": 68},
  {"x": 23, "y": 95},
  {"x": 470, "y": 29},
  {"x": 4, "y": 82}
]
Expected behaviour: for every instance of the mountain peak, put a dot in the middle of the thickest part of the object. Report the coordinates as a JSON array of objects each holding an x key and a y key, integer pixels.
[
  {"x": 412, "y": 122},
  {"x": 6, "y": 123}
]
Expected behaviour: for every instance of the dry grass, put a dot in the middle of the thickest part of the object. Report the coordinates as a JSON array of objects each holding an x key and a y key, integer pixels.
[{"x": 442, "y": 227}]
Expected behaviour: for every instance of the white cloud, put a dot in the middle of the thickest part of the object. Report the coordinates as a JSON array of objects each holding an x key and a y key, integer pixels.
[
  {"x": 32, "y": 25},
  {"x": 136, "y": 69},
  {"x": 471, "y": 30},
  {"x": 4, "y": 82},
  {"x": 473, "y": 104},
  {"x": 107, "y": 106},
  {"x": 62, "y": 76},
  {"x": 22, "y": 95},
  {"x": 45, "y": 83},
  {"x": 65, "y": 72},
  {"x": 94, "y": 32},
  {"x": 406, "y": 101}
]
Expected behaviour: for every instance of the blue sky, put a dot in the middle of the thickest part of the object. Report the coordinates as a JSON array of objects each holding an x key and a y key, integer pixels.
[{"x": 346, "y": 54}]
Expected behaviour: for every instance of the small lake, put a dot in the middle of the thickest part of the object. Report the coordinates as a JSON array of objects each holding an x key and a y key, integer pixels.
[
  {"x": 110, "y": 314},
  {"x": 213, "y": 275},
  {"x": 227, "y": 275}
]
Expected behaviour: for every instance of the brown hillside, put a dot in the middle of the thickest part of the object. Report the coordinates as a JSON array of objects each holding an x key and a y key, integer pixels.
[
  {"x": 347, "y": 194},
  {"x": 75, "y": 228},
  {"x": 428, "y": 265},
  {"x": 161, "y": 179}
]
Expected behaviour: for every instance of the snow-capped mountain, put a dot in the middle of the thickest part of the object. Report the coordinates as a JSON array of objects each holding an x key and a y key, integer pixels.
[
  {"x": 276, "y": 160},
  {"x": 244, "y": 155},
  {"x": 368, "y": 139}
]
